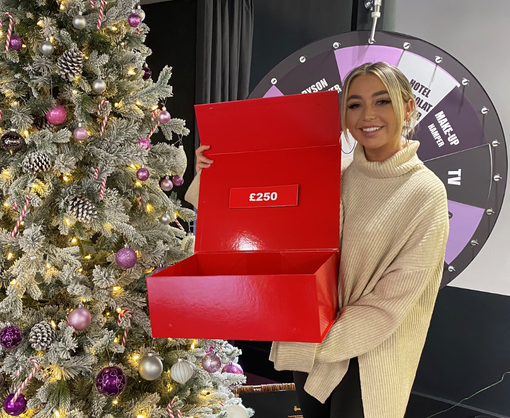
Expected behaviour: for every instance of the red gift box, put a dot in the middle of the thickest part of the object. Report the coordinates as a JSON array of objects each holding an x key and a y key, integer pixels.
[{"x": 267, "y": 232}]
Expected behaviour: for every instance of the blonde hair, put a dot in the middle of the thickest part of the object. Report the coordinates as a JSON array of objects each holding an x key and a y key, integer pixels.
[{"x": 399, "y": 90}]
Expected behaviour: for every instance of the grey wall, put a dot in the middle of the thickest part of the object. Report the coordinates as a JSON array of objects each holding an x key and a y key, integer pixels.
[{"x": 476, "y": 33}]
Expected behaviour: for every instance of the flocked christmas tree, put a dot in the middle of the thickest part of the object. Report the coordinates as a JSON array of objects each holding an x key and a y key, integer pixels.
[{"x": 85, "y": 217}]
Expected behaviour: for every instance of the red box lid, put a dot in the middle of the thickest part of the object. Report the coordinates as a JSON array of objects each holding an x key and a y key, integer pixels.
[{"x": 275, "y": 181}]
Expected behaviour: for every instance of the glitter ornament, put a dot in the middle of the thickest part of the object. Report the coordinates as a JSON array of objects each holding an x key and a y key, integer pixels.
[
  {"x": 150, "y": 367},
  {"x": 10, "y": 337},
  {"x": 16, "y": 407},
  {"x": 181, "y": 371},
  {"x": 47, "y": 48},
  {"x": 177, "y": 180},
  {"x": 167, "y": 218},
  {"x": 13, "y": 141},
  {"x": 99, "y": 86},
  {"x": 146, "y": 73},
  {"x": 134, "y": 20},
  {"x": 56, "y": 115},
  {"x": 16, "y": 43},
  {"x": 111, "y": 381},
  {"x": 211, "y": 363},
  {"x": 80, "y": 133},
  {"x": 79, "y": 22},
  {"x": 166, "y": 184},
  {"x": 144, "y": 143},
  {"x": 80, "y": 318},
  {"x": 232, "y": 368},
  {"x": 143, "y": 174},
  {"x": 164, "y": 116},
  {"x": 126, "y": 258},
  {"x": 236, "y": 411}
]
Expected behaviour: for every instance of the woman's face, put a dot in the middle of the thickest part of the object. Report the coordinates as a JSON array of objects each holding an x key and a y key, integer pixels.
[{"x": 371, "y": 119}]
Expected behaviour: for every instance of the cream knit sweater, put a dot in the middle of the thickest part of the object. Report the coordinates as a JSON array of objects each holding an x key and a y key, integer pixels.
[{"x": 394, "y": 227}]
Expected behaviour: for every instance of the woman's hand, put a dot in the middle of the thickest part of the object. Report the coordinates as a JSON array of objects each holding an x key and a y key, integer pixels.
[{"x": 202, "y": 161}]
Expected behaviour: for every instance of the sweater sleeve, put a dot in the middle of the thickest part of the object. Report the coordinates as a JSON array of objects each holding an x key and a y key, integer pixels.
[
  {"x": 193, "y": 189},
  {"x": 370, "y": 320}
]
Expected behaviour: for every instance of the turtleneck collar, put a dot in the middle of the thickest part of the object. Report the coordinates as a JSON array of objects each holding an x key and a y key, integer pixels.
[{"x": 395, "y": 166}]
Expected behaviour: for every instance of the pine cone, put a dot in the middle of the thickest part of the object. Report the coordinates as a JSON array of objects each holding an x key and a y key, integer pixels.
[
  {"x": 42, "y": 336},
  {"x": 70, "y": 64},
  {"x": 36, "y": 162},
  {"x": 42, "y": 123},
  {"x": 82, "y": 208}
]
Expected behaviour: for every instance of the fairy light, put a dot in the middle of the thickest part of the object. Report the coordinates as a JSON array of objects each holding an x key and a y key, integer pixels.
[
  {"x": 133, "y": 166},
  {"x": 40, "y": 23},
  {"x": 62, "y": 7},
  {"x": 154, "y": 107},
  {"x": 149, "y": 207},
  {"x": 115, "y": 402},
  {"x": 122, "y": 43},
  {"x": 88, "y": 257},
  {"x": 48, "y": 265},
  {"x": 13, "y": 282},
  {"x": 114, "y": 28},
  {"x": 9, "y": 256},
  {"x": 6, "y": 204},
  {"x": 65, "y": 178},
  {"x": 140, "y": 416},
  {"x": 193, "y": 344},
  {"x": 136, "y": 356},
  {"x": 138, "y": 102},
  {"x": 79, "y": 271},
  {"x": 57, "y": 414},
  {"x": 52, "y": 38},
  {"x": 138, "y": 184},
  {"x": 74, "y": 240},
  {"x": 131, "y": 71},
  {"x": 25, "y": 133},
  {"x": 22, "y": 223},
  {"x": 53, "y": 325},
  {"x": 15, "y": 103},
  {"x": 67, "y": 221},
  {"x": 118, "y": 310},
  {"x": 116, "y": 288},
  {"x": 23, "y": 46},
  {"x": 116, "y": 340},
  {"x": 6, "y": 173},
  {"x": 75, "y": 92},
  {"x": 116, "y": 104}
]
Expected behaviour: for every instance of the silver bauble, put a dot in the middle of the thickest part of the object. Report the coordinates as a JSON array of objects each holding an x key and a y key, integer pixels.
[
  {"x": 167, "y": 218},
  {"x": 150, "y": 367},
  {"x": 47, "y": 48},
  {"x": 140, "y": 13},
  {"x": 99, "y": 86},
  {"x": 79, "y": 22}
]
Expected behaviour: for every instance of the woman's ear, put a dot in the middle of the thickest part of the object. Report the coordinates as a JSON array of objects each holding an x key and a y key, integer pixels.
[{"x": 409, "y": 109}]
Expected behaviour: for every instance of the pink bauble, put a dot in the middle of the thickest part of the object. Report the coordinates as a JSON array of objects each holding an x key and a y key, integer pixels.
[
  {"x": 166, "y": 185},
  {"x": 143, "y": 174},
  {"x": 80, "y": 134},
  {"x": 56, "y": 115},
  {"x": 126, "y": 258},
  {"x": 16, "y": 42},
  {"x": 79, "y": 319},
  {"x": 232, "y": 368},
  {"x": 134, "y": 20},
  {"x": 177, "y": 180},
  {"x": 144, "y": 143},
  {"x": 164, "y": 116},
  {"x": 211, "y": 363}
]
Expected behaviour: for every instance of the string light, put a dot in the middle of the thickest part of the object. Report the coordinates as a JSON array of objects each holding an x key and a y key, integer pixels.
[
  {"x": 6, "y": 204},
  {"x": 40, "y": 23},
  {"x": 131, "y": 71},
  {"x": 65, "y": 178},
  {"x": 193, "y": 345},
  {"x": 54, "y": 326},
  {"x": 48, "y": 265},
  {"x": 74, "y": 240},
  {"x": 138, "y": 184},
  {"x": 115, "y": 402},
  {"x": 88, "y": 257},
  {"x": 25, "y": 133},
  {"x": 116, "y": 104},
  {"x": 136, "y": 357},
  {"x": 149, "y": 207},
  {"x": 67, "y": 221},
  {"x": 116, "y": 340},
  {"x": 52, "y": 38},
  {"x": 118, "y": 310},
  {"x": 116, "y": 288},
  {"x": 57, "y": 414},
  {"x": 13, "y": 282},
  {"x": 9, "y": 256},
  {"x": 114, "y": 28}
]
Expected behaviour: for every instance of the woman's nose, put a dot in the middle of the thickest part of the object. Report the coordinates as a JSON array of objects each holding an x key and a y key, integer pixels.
[{"x": 368, "y": 113}]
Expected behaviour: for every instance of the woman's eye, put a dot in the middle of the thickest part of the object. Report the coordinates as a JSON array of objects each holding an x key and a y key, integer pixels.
[
  {"x": 384, "y": 102},
  {"x": 353, "y": 106}
]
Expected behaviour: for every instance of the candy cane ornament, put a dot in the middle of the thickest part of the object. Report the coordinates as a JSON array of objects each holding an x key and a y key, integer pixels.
[
  {"x": 103, "y": 188},
  {"x": 128, "y": 315},
  {"x": 170, "y": 411},
  {"x": 28, "y": 378},
  {"x": 101, "y": 14},
  {"x": 92, "y": 4},
  {"x": 105, "y": 119},
  {"x": 9, "y": 31},
  {"x": 179, "y": 225},
  {"x": 96, "y": 173},
  {"x": 140, "y": 200},
  {"x": 154, "y": 116},
  {"x": 21, "y": 217}
]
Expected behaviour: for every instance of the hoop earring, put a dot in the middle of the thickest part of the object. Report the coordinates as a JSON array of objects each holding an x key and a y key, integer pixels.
[{"x": 353, "y": 146}]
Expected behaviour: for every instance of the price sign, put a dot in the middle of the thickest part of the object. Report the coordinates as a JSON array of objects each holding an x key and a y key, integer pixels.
[{"x": 266, "y": 197}]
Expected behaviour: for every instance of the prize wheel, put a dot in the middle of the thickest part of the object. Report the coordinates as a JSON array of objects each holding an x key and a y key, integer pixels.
[{"x": 460, "y": 133}]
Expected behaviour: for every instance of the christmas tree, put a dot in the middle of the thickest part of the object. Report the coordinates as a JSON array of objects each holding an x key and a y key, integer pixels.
[{"x": 84, "y": 219}]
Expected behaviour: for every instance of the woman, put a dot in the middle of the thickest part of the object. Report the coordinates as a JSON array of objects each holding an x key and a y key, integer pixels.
[{"x": 394, "y": 227}]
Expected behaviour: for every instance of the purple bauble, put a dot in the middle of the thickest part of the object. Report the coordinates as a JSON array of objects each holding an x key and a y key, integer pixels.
[
  {"x": 166, "y": 184},
  {"x": 144, "y": 143},
  {"x": 134, "y": 20},
  {"x": 80, "y": 134},
  {"x": 157, "y": 270},
  {"x": 164, "y": 116},
  {"x": 146, "y": 73},
  {"x": 16, "y": 43},
  {"x": 177, "y": 180},
  {"x": 10, "y": 337},
  {"x": 56, "y": 115},
  {"x": 211, "y": 363},
  {"x": 17, "y": 407},
  {"x": 79, "y": 319},
  {"x": 232, "y": 368},
  {"x": 143, "y": 174},
  {"x": 111, "y": 381},
  {"x": 126, "y": 258}
]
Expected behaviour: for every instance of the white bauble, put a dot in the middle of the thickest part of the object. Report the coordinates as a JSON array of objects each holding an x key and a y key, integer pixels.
[
  {"x": 181, "y": 371},
  {"x": 236, "y": 411},
  {"x": 99, "y": 86},
  {"x": 79, "y": 22}
]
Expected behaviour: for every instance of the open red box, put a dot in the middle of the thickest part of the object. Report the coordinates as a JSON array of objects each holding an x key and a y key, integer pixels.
[{"x": 267, "y": 233}]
